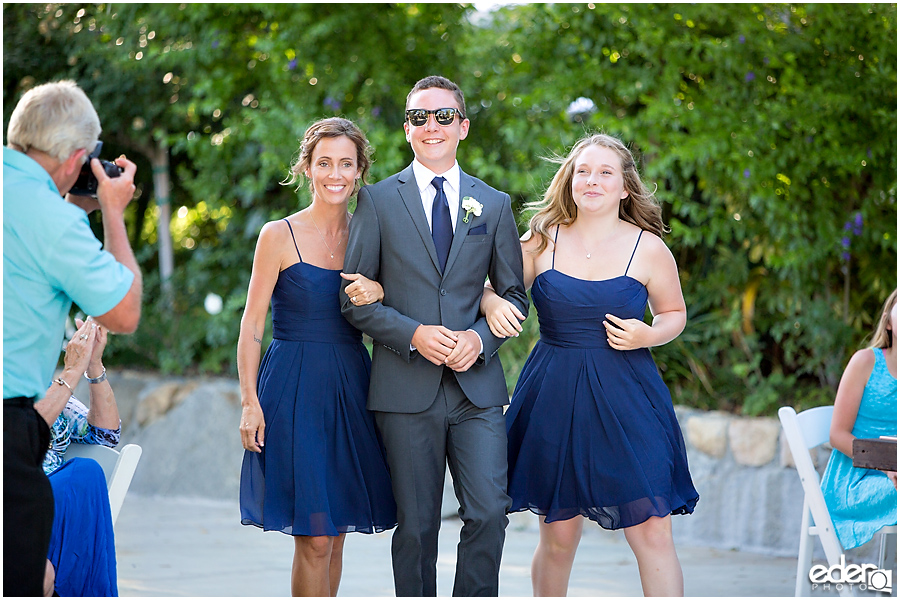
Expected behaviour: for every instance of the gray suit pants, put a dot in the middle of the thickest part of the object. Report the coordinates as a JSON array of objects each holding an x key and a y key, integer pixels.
[{"x": 472, "y": 441}]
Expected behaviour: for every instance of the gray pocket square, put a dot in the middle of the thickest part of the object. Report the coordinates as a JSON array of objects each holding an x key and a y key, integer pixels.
[{"x": 479, "y": 230}]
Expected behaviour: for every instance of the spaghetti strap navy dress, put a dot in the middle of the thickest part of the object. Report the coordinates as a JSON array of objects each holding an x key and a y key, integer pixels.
[
  {"x": 592, "y": 430},
  {"x": 322, "y": 470}
]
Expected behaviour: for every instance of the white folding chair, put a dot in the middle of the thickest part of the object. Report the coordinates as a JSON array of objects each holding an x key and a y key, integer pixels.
[
  {"x": 118, "y": 466},
  {"x": 804, "y": 431}
]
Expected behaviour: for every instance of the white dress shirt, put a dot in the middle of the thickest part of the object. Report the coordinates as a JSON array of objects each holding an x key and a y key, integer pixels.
[{"x": 424, "y": 176}]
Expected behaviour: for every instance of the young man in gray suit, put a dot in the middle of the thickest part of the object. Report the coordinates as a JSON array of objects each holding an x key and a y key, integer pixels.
[{"x": 431, "y": 235}]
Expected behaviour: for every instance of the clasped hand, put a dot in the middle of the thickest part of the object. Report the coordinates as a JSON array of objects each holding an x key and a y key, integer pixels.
[
  {"x": 456, "y": 349},
  {"x": 503, "y": 317},
  {"x": 82, "y": 346},
  {"x": 627, "y": 334},
  {"x": 363, "y": 290},
  {"x": 441, "y": 346}
]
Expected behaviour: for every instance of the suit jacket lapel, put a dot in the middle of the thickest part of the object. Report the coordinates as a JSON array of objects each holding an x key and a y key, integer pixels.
[
  {"x": 409, "y": 192},
  {"x": 466, "y": 184}
]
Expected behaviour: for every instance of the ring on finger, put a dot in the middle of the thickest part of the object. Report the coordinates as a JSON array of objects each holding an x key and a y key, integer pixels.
[
  {"x": 82, "y": 336},
  {"x": 353, "y": 299}
]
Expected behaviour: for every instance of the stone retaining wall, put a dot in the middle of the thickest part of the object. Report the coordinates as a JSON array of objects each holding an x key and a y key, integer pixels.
[{"x": 750, "y": 495}]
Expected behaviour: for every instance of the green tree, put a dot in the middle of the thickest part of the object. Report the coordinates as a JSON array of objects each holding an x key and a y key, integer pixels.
[
  {"x": 228, "y": 90},
  {"x": 769, "y": 129}
]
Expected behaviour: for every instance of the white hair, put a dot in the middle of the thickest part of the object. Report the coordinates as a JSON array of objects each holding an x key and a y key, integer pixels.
[{"x": 56, "y": 118}]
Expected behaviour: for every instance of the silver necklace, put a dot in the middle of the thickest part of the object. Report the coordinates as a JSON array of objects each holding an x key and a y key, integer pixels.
[
  {"x": 583, "y": 247},
  {"x": 322, "y": 236},
  {"x": 587, "y": 253}
]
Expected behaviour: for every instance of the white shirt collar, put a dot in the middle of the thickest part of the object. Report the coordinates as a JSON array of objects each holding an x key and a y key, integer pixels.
[{"x": 424, "y": 175}]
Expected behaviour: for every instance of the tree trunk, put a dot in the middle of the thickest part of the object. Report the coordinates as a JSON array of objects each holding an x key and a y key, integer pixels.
[{"x": 160, "y": 161}]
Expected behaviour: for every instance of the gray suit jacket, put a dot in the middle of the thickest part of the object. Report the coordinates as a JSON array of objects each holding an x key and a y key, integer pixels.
[{"x": 390, "y": 242}]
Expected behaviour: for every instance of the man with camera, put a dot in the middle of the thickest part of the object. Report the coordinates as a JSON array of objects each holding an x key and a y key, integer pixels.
[{"x": 50, "y": 260}]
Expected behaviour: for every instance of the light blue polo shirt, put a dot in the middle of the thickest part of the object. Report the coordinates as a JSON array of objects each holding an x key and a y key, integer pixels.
[{"x": 50, "y": 259}]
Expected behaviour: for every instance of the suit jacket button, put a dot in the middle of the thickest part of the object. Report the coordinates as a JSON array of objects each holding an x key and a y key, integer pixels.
[{"x": 443, "y": 292}]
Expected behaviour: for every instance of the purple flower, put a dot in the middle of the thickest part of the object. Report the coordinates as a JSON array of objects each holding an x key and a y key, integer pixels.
[
  {"x": 376, "y": 111},
  {"x": 847, "y": 226},
  {"x": 292, "y": 65},
  {"x": 869, "y": 153},
  {"x": 845, "y": 242},
  {"x": 742, "y": 39},
  {"x": 746, "y": 173},
  {"x": 332, "y": 103},
  {"x": 858, "y": 224},
  {"x": 750, "y": 76},
  {"x": 215, "y": 43},
  {"x": 845, "y": 256}
]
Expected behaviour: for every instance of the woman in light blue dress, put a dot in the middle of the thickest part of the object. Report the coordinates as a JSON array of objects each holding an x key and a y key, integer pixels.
[{"x": 862, "y": 501}]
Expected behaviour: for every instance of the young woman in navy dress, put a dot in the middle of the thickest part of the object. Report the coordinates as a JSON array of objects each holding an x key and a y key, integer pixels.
[
  {"x": 314, "y": 466},
  {"x": 592, "y": 431}
]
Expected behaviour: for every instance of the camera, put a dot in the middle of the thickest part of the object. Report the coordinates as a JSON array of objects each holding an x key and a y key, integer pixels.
[{"x": 86, "y": 184}]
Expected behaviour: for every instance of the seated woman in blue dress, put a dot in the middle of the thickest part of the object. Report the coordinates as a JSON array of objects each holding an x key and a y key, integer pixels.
[
  {"x": 862, "y": 501},
  {"x": 82, "y": 552}
]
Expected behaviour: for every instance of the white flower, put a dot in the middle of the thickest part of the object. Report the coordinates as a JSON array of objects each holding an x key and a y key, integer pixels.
[
  {"x": 580, "y": 109},
  {"x": 471, "y": 206},
  {"x": 213, "y": 303}
]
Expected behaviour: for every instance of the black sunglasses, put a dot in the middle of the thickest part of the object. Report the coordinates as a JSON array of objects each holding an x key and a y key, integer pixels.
[{"x": 419, "y": 116}]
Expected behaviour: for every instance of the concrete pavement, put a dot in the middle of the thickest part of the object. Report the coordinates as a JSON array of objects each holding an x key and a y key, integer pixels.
[{"x": 195, "y": 547}]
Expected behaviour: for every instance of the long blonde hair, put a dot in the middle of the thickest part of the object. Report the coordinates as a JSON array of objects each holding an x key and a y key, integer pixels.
[
  {"x": 640, "y": 207},
  {"x": 884, "y": 337}
]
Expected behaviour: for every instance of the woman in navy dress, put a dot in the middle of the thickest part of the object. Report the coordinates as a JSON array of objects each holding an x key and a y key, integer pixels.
[
  {"x": 592, "y": 431},
  {"x": 314, "y": 466}
]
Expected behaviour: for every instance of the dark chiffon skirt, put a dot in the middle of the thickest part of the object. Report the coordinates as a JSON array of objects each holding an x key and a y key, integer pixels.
[
  {"x": 592, "y": 430},
  {"x": 82, "y": 546},
  {"x": 578, "y": 447},
  {"x": 322, "y": 470}
]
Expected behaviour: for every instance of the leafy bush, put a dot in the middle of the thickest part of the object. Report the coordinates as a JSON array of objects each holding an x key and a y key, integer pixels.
[{"x": 770, "y": 131}]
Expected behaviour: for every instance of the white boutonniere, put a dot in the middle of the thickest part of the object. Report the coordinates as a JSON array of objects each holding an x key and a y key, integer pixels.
[{"x": 471, "y": 206}]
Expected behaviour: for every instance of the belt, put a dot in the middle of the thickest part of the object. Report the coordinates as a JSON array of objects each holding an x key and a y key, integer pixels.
[{"x": 20, "y": 401}]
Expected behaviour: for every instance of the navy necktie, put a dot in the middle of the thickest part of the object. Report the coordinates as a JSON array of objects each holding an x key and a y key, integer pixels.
[{"x": 441, "y": 226}]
